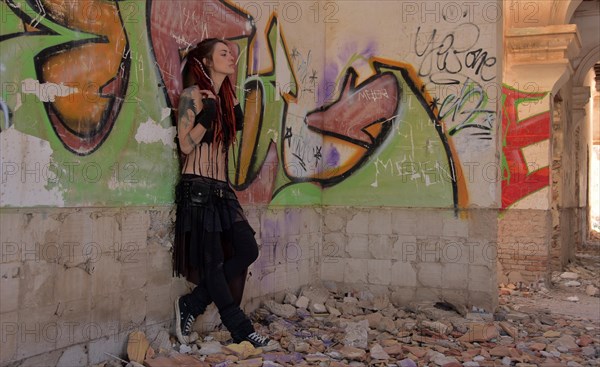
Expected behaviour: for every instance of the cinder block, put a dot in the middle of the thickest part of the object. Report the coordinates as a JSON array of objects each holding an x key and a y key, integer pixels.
[
  {"x": 49, "y": 358},
  {"x": 11, "y": 236},
  {"x": 334, "y": 220},
  {"x": 134, "y": 227},
  {"x": 356, "y": 271},
  {"x": 162, "y": 221},
  {"x": 266, "y": 279},
  {"x": 403, "y": 296},
  {"x": 105, "y": 318},
  {"x": 481, "y": 252},
  {"x": 10, "y": 279},
  {"x": 311, "y": 220},
  {"x": 11, "y": 251},
  {"x": 404, "y": 222},
  {"x": 453, "y": 250},
  {"x": 105, "y": 231},
  {"x": 294, "y": 220},
  {"x": 37, "y": 285},
  {"x": 72, "y": 284},
  {"x": 253, "y": 215},
  {"x": 428, "y": 249},
  {"x": 69, "y": 230},
  {"x": 106, "y": 277},
  {"x": 309, "y": 274},
  {"x": 455, "y": 276},
  {"x": 159, "y": 307},
  {"x": 9, "y": 327},
  {"x": 358, "y": 222},
  {"x": 405, "y": 249},
  {"x": 133, "y": 308},
  {"x": 380, "y": 221},
  {"x": 334, "y": 245},
  {"x": 429, "y": 274},
  {"x": 482, "y": 278},
  {"x": 453, "y": 226},
  {"x": 160, "y": 268},
  {"x": 424, "y": 294},
  {"x": 488, "y": 300},
  {"x": 39, "y": 228},
  {"x": 456, "y": 297},
  {"x": 429, "y": 222},
  {"x": 404, "y": 274},
  {"x": 37, "y": 330},
  {"x": 358, "y": 246},
  {"x": 380, "y": 246},
  {"x": 75, "y": 355},
  {"x": 115, "y": 344},
  {"x": 483, "y": 223},
  {"x": 332, "y": 268},
  {"x": 73, "y": 323},
  {"x": 134, "y": 270},
  {"x": 379, "y": 271}
]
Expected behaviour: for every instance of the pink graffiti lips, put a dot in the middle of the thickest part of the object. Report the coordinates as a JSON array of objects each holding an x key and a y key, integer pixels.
[{"x": 361, "y": 114}]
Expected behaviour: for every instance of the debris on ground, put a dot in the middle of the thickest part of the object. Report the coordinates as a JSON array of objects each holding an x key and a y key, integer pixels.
[{"x": 534, "y": 325}]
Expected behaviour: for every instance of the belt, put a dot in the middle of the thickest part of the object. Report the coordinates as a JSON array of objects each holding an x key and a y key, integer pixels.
[{"x": 200, "y": 193}]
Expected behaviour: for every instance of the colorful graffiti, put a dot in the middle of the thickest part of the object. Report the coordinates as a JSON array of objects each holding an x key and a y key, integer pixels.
[
  {"x": 105, "y": 78},
  {"x": 445, "y": 60},
  {"x": 518, "y": 178}
]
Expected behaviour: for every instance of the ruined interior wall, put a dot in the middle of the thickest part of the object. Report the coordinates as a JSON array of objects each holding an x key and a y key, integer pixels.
[
  {"x": 78, "y": 293},
  {"x": 391, "y": 223},
  {"x": 414, "y": 256},
  {"x": 370, "y": 153},
  {"x": 70, "y": 295},
  {"x": 541, "y": 136}
]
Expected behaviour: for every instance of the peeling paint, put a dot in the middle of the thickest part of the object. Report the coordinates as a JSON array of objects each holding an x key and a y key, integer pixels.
[
  {"x": 166, "y": 112},
  {"x": 151, "y": 132},
  {"x": 19, "y": 102},
  {"x": 25, "y": 163},
  {"x": 46, "y": 92}
]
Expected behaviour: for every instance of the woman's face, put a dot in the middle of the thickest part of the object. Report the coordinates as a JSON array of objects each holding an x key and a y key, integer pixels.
[{"x": 223, "y": 61}]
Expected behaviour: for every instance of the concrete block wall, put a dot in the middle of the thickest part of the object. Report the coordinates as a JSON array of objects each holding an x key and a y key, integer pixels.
[
  {"x": 76, "y": 282},
  {"x": 424, "y": 255}
]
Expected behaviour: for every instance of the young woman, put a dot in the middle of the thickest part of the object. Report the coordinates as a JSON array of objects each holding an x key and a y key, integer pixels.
[{"x": 209, "y": 215}]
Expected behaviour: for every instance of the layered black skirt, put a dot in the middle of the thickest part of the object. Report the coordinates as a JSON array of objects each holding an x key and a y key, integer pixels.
[{"x": 205, "y": 208}]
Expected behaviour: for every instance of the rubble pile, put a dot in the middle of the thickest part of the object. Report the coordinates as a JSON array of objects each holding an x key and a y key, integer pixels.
[{"x": 320, "y": 326}]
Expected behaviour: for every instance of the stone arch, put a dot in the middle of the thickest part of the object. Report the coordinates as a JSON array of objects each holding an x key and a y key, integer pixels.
[
  {"x": 528, "y": 14},
  {"x": 587, "y": 62}
]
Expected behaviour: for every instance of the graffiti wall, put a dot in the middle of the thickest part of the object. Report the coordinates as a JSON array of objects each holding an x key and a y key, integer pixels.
[
  {"x": 345, "y": 103},
  {"x": 525, "y": 149}
]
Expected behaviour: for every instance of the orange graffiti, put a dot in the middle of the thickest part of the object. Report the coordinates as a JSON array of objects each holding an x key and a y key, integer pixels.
[{"x": 96, "y": 69}]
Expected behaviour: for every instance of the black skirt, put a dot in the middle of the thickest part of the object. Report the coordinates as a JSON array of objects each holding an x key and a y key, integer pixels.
[{"x": 204, "y": 206}]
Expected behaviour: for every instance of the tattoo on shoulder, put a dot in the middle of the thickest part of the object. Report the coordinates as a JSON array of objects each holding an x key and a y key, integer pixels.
[{"x": 186, "y": 108}]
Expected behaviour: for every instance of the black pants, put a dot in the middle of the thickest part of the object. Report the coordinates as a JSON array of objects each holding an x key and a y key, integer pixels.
[{"x": 220, "y": 273}]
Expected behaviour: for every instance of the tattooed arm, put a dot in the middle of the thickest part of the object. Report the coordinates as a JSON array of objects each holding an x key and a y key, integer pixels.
[{"x": 190, "y": 104}]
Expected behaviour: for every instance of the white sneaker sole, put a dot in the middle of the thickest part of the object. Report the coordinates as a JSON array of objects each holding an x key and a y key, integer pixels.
[{"x": 182, "y": 338}]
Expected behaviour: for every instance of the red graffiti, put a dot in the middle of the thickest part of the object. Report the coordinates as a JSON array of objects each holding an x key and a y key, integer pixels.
[
  {"x": 360, "y": 111},
  {"x": 517, "y": 182}
]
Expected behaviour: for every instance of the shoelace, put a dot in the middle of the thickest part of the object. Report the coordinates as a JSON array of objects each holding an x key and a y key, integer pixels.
[
  {"x": 258, "y": 338},
  {"x": 189, "y": 322}
]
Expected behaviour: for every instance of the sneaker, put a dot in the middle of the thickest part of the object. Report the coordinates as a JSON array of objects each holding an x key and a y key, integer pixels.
[
  {"x": 259, "y": 341},
  {"x": 184, "y": 320}
]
